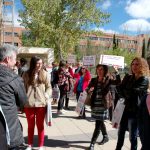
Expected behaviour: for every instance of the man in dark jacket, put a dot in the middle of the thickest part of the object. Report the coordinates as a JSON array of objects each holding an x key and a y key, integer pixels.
[
  {"x": 3, "y": 135},
  {"x": 12, "y": 95}
]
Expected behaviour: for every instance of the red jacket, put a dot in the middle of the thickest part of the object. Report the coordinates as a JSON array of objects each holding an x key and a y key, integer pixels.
[
  {"x": 86, "y": 80},
  {"x": 70, "y": 71}
]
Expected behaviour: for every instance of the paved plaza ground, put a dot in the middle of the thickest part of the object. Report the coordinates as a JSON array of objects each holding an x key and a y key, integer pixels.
[{"x": 69, "y": 132}]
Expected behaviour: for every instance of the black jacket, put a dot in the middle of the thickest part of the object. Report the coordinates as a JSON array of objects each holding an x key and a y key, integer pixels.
[
  {"x": 133, "y": 91},
  {"x": 108, "y": 82},
  {"x": 3, "y": 135},
  {"x": 12, "y": 96}
]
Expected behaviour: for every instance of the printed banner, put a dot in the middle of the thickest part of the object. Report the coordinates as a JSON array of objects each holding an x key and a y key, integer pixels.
[
  {"x": 56, "y": 92},
  {"x": 48, "y": 116},
  {"x": 112, "y": 60},
  {"x": 117, "y": 114},
  {"x": 80, "y": 104},
  {"x": 89, "y": 60},
  {"x": 71, "y": 59}
]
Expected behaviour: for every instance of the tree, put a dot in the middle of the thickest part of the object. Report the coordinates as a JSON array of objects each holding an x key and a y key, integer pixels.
[
  {"x": 114, "y": 42},
  {"x": 143, "y": 49},
  {"x": 148, "y": 46},
  {"x": 60, "y": 23}
]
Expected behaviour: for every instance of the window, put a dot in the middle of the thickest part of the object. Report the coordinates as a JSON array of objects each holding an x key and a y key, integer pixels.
[
  {"x": 15, "y": 44},
  {"x": 16, "y": 34},
  {"x": 8, "y": 43},
  {"x": 8, "y": 33},
  {"x": 93, "y": 38}
]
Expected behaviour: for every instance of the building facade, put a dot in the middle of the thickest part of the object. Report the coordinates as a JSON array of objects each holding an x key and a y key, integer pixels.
[
  {"x": 102, "y": 42},
  {"x": 7, "y": 36}
]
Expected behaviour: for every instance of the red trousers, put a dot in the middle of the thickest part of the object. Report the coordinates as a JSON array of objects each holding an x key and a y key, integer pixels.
[{"x": 35, "y": 115}]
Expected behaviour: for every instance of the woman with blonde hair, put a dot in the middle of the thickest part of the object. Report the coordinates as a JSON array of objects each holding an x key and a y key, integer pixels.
[
  {"x": 37, "y": 86},
  {"x": 144, "y": 116},
  {"x": 133, "y": 88}
]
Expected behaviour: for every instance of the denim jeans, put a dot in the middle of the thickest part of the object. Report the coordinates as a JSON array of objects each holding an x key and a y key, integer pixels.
[
  {"x": 144, "y": 127},
  {"x": 127, "y": 123},
  {"x": 61, "y": 101}
]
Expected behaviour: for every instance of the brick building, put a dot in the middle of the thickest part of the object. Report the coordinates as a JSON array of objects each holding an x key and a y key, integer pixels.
[
  {"x": 8, "y": 38},
  {"x": 102, "y": 42}
]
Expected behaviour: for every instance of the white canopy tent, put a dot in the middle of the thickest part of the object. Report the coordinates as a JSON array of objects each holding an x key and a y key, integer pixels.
[{"x": 47, "y": 54}]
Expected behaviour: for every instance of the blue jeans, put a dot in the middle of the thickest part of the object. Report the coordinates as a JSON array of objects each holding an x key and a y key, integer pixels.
[
  {"x": 144, "y": 127},
  {"x": 127, "y": 123}
]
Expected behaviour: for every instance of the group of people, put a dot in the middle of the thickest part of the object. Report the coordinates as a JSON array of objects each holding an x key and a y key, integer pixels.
[
  {"x": 133, "y": 88},
  {"x": 31, "y": 90}
]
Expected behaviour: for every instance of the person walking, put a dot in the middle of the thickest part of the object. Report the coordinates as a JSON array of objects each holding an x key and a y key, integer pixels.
[
  {"x": 132, "y": 89},
  {"x": 54, "y": 78},
  {"x": 64, "y": 84},
  {"x": 144, "y": 115},
  {"x": 37, "y": 84},
  {"x": 99, "y": 87},
  {"x": 82, "y": 81},
  {"x": 70, "y": 70},
  {"x": 13, "y": 95},
  {"x": 23, "y": 66},
  {"x": 4, "y": 133}
]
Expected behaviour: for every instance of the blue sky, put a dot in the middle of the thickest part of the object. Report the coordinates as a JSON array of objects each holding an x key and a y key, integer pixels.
[{"x": 127, "y": 16}]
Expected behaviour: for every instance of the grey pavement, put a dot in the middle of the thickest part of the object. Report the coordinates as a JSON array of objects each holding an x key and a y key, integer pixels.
[{"x": 69, "y": 132}]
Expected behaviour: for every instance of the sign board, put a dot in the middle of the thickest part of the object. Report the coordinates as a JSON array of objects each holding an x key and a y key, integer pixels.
[
  {"x": 71, "y": 59},
  {"x": 117, "y": 114},
  {"x": 112, "y": 60},
  {"x": 89, "y": 60},
  {"x": 80, "y": 105}
]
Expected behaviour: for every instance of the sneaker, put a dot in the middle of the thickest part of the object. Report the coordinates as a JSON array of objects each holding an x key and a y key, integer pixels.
[
  {"x": 29, "y": 148},
  {"x": 67, "y": 108},
  {"x": 23, "y": 146},
  {"x": 91, "y": 147},
  {"x": 59, "y": 112},
  {"x": 41, "y": 148}
]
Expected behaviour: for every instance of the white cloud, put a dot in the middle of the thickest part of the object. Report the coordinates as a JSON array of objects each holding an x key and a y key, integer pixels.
[
  {"x": 136, "y": 25},
  {"x": 106, "y": 4},
  {"x": 106, "y": 31},
  {"x": 138, "y": 8},
  {"x": 8, "y": 18},
  {"x": 16, "y": 17}
]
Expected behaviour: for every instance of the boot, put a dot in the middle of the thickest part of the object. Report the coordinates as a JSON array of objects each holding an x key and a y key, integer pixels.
[
  {"x": 94, "y": 138},
  {"x": 91, "y": 147},
  {"x": 104, "y": 140}
]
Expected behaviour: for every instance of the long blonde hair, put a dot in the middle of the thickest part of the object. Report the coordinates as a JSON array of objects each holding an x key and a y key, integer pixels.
[{"x": 143, "y": 67}]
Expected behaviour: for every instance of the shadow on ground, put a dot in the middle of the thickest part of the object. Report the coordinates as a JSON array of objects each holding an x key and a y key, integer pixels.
[{"x": 52, "y": 143}]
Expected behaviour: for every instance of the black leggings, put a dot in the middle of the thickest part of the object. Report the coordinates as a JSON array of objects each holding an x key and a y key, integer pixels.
[{"x": 100, "y": 126}]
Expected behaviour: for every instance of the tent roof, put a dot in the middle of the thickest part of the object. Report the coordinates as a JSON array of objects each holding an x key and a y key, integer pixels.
[{"x": 34, "y": 50}]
